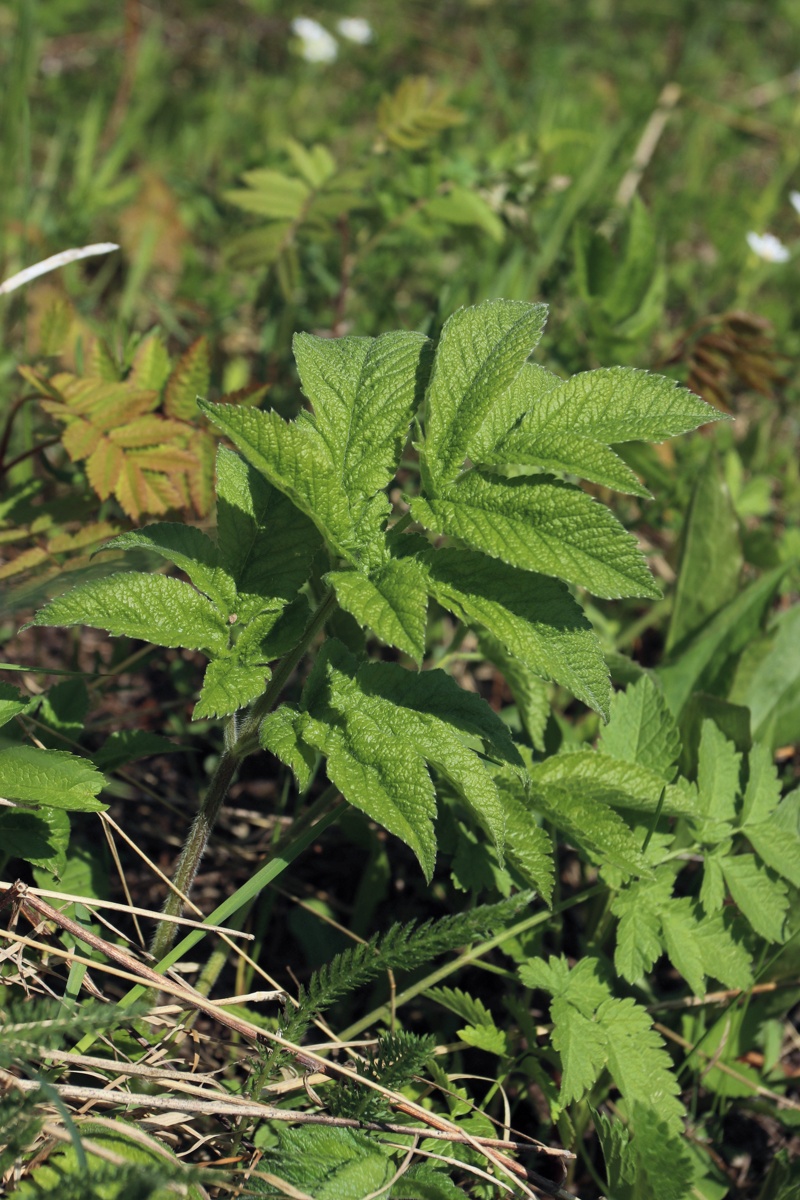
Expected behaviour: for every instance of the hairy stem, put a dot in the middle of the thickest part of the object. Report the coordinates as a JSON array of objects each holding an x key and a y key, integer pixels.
[{"x": 239, "y": 742}]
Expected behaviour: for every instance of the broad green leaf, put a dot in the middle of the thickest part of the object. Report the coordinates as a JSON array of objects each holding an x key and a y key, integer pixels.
[
  {"x": 725, "y": 636},
  {"x": 50, "y": 777},
  {"x": 11, "y": 703},
  {"x": 40, "y": 838},
  {"x": 228, "y": 685},
  {"x": 481, "y": 351},
  {"x": 610, "y": 781},
  {"x": 155, "y": 608},
  {"x": 583, "y": 986},
  {"x": 642, "y": 730},
  {"x": 541, "y": 525},
  {"x": 392, "y": 602},
  {"x": 717, "y": 779},
  {"x": 281, "y": 734},
  {"x": 556, "y": 450},
  {"x": 620, "y": 404},
  {"x": 379, "y": 725},
  {"x": 760, "y": 896},
  {"x": 333, "y": 463},
  {"x": 293, "y": 461},
  {"x": 191, "y": 550},
  {"x": 382, "y": 774},
  {"x": 265, "y": 542},
  {"x": 731, "y": 720},
  {"x": 524, "y": 392},
  {"x": 771, "y": 688},
  {"x": 711, "y": 556},
  {"x": 534, "y": 617},
  {"x": 364, "y": 392}
]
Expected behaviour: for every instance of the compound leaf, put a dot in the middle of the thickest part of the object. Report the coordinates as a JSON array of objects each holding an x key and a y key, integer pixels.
[{"x": 392, "y": 601}]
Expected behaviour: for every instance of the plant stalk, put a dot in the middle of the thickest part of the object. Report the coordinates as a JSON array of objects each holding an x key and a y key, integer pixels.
[{"x": 238, "y": 744}]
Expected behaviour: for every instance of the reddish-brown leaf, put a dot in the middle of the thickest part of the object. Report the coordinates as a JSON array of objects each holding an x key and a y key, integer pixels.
[
  {"x": 150, "y": 430},
  {"x": 80, "y": 439},
  {"x": 103, "y": 468}
]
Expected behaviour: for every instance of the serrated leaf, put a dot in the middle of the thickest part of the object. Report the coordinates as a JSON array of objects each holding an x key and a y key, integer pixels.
[
  {"x": 480, "y": 353},
  {"x": 724, "y": 958},
  {"x": 718, "y": 769},
  {"x": 711, "y": 556},
  {"x": 541, "y": 525},
  {"x": 485, "y": 1037},
  {"x": 535, "y": 619},
  {"x": 639, "y": 1062},
  {"x": 189, "y": 379},
  {"x": 151, "y": 364},
  {"x": 589, "y": 823},
  {"x": 638, "y": 908},
  {"x": 229, "y": 685},
  {"x": 620, "y": 784},
  {"x": 379, "y": 724},
  {"x": 281, "y": 734},
  {"x": 557, "y": 450},
  {"x": 265, "y": 542},
  {"x": 364, "y": 392},
  {"x": 760, "y": 896},
  {"x": 191, "y": 550},
  {"x": 712, "y": 889},
  {"x": 50, "y": 777},
  {"x": 642, "y": 730},
  {"x": 763, "y": 792},
  {"x": 155, "y": 608},
  {"x": 381, "y": 774},
  {"x": 527, "y": 845},
  {"x": 653, "y": 1165},
  {"x": 679, "y": 927},
  {"x": 392, "y": 602},
  {"x": 40, "y": 838}
]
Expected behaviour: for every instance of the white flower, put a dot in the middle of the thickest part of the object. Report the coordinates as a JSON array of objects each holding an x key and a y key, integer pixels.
[
  {"x": 768, "y": 247},
  {"x": 355, "y": 29},
  {"x": 795, "y": 201},
  {"x": 316, "y": 44}
]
